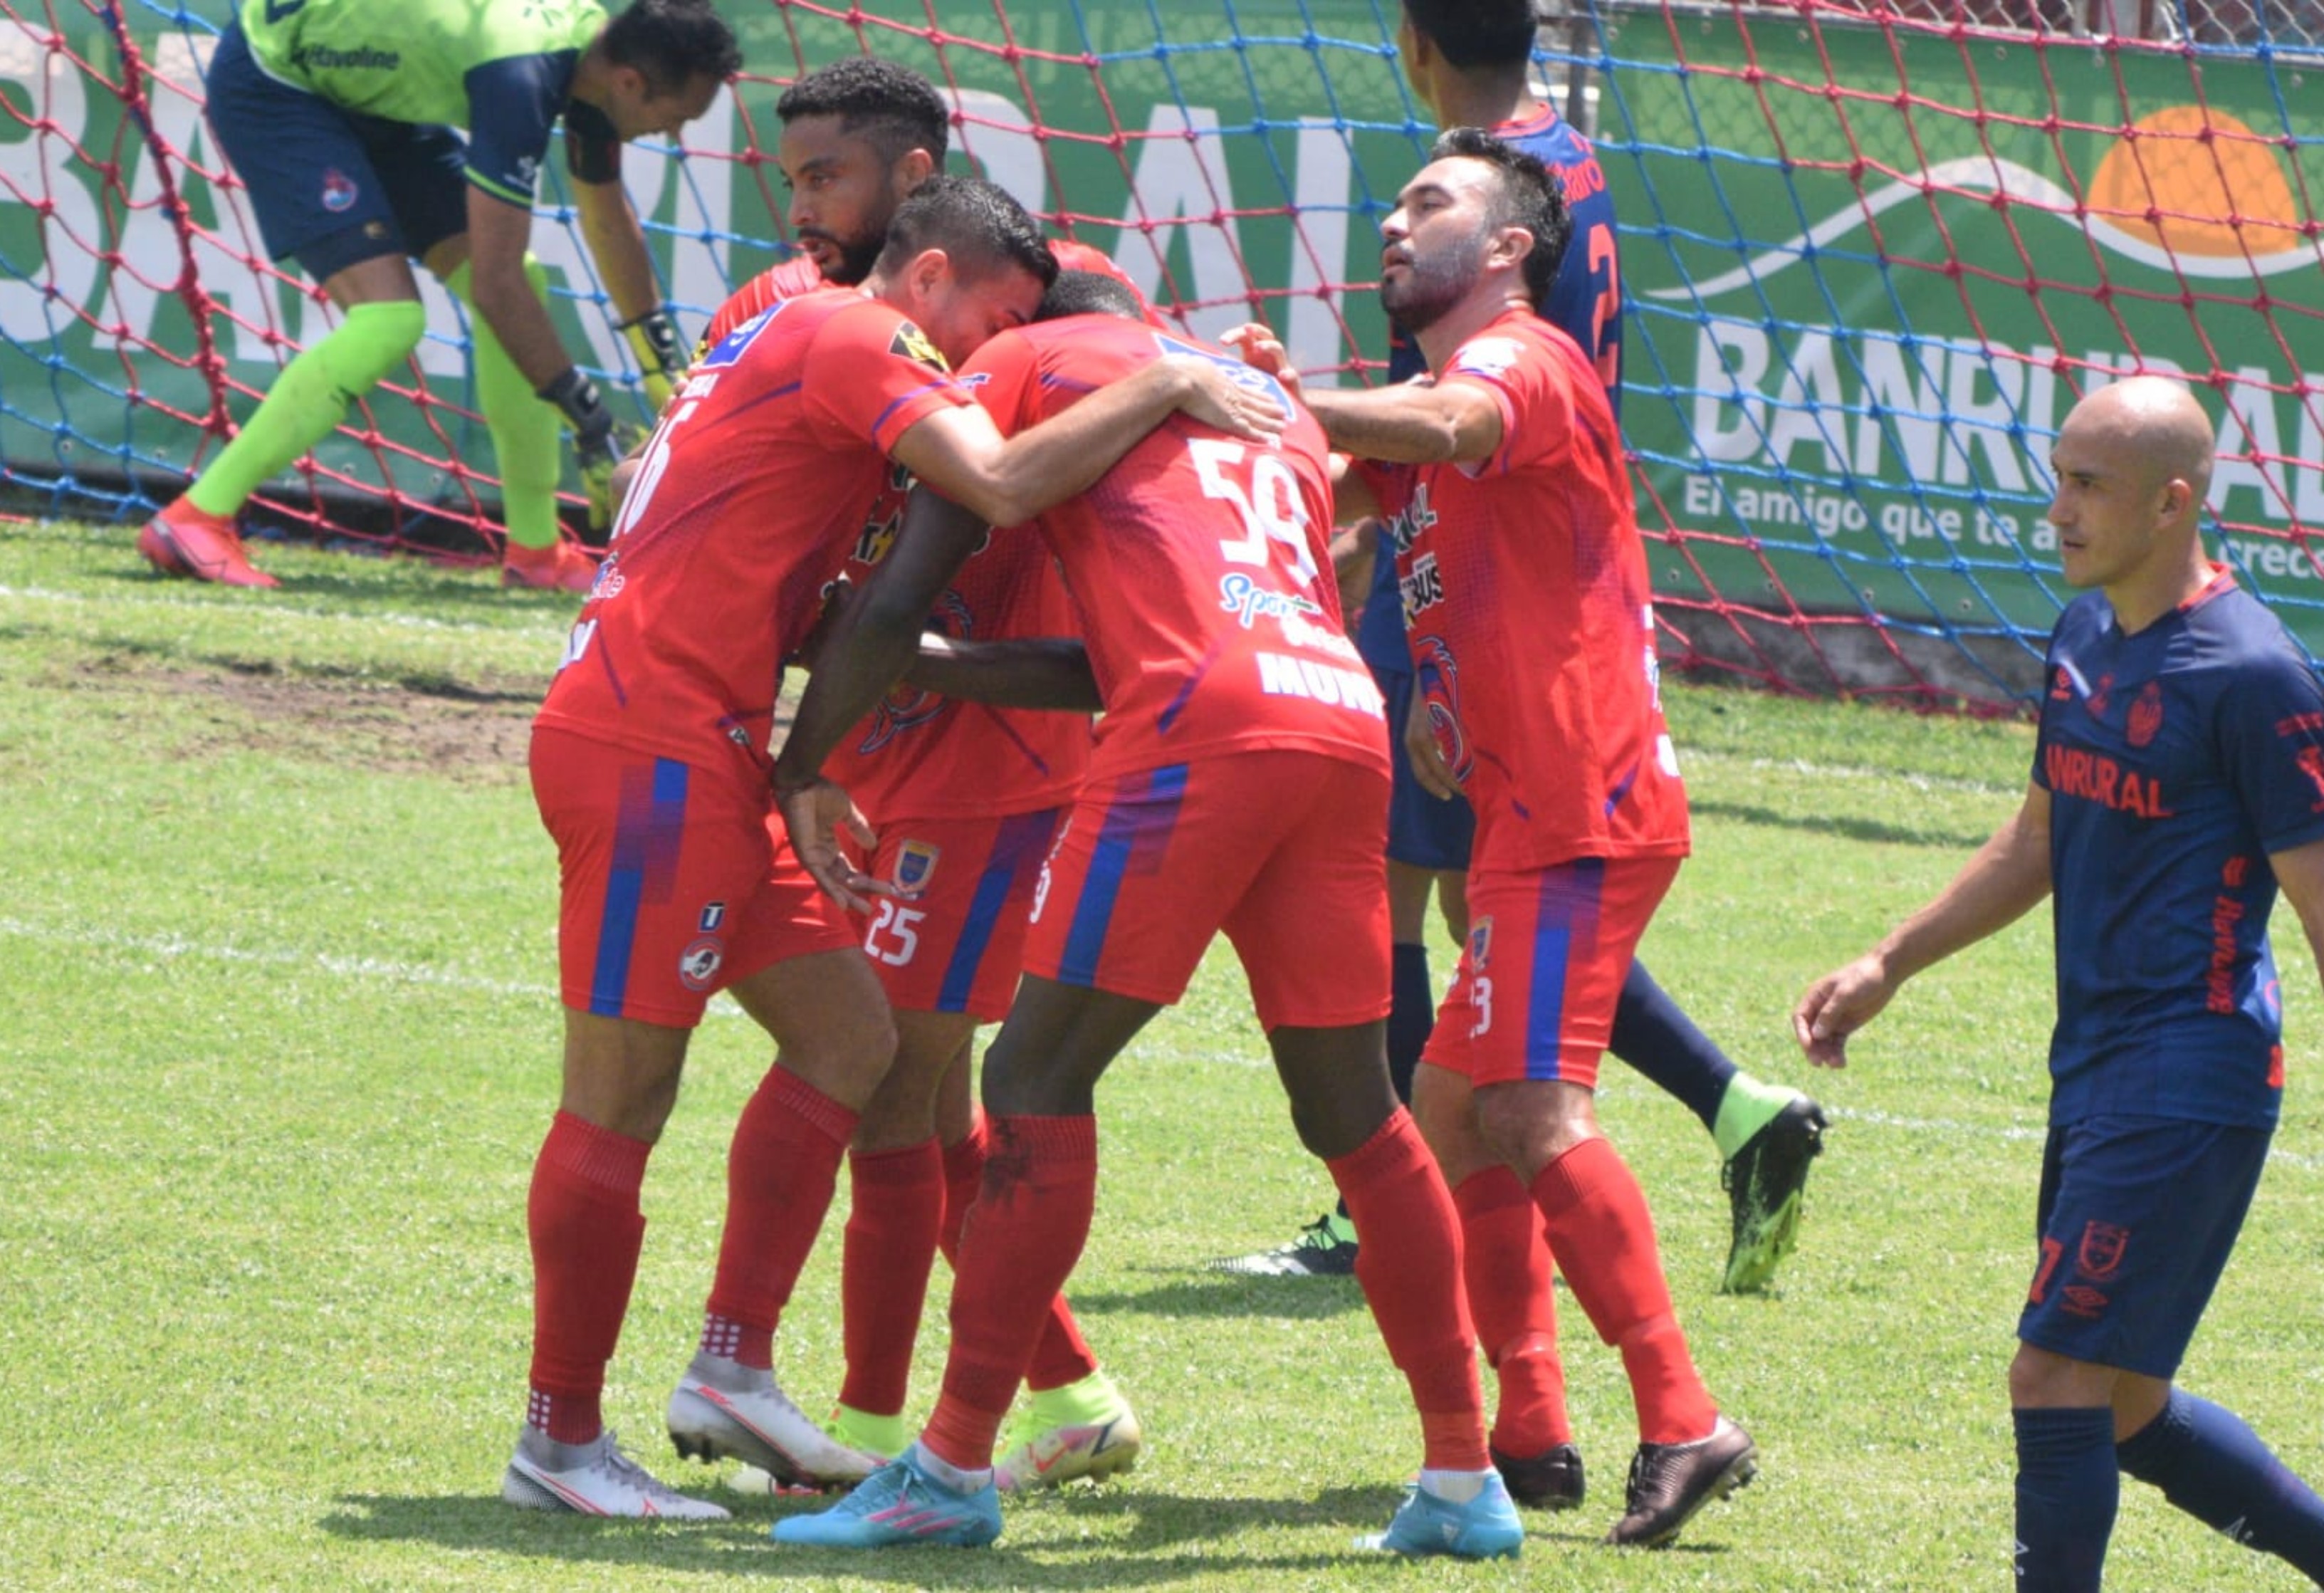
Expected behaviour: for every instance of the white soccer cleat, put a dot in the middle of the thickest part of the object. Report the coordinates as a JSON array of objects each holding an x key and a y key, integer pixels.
[
  {"x": 594, "y": 1479},
  {"x": 720, "y": 1410}
]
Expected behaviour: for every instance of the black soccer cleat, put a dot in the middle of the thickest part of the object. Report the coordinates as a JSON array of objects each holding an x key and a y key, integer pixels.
[
  {"x": 1325, "y": 1248},
  {"x": 1551, "y": 1480},
  {"x": 1670, "y": 1482},
  {"x": 1766, "y": 1189}
]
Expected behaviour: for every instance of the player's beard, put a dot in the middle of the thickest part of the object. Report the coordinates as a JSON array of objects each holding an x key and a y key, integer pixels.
[
  {"x": 857, "y": 257},
  {"x": 1431, "y": 285}
]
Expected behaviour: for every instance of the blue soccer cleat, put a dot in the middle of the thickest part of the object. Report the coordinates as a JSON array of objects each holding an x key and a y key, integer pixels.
[
  {"x": 900, "y": 1504},
  {"x": 1485, "y": 1528}
]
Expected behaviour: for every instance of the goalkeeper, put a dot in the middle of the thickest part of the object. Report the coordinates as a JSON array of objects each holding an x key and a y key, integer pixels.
[{"x": 339, "y": 115}]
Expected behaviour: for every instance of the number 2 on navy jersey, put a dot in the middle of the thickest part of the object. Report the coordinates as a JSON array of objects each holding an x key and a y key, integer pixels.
[{"x": 1266, "y": 497}]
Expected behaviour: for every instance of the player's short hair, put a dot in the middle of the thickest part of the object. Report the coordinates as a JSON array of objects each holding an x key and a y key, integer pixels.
[
  {"x": 672, "y": 42},
  {"x": 1471, "y": 33},
  {"x": 1531, "y": 196},
  {"x": 975, "y": 222},
  {"x": 1090, "y": 293},
  {"x": 890, "y": 106}
]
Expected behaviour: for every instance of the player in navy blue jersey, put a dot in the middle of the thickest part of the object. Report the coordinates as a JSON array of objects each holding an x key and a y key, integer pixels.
[
  {"x": 2178, "y": 784},
  {"x": 1470, "y": 62}
]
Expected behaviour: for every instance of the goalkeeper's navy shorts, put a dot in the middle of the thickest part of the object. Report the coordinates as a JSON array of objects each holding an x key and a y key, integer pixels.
[{"x": 330, "y": 187}]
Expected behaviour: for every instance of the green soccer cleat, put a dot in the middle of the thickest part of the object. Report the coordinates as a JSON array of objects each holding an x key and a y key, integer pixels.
[
  {"x": 1085, "y": 1428},
  {"x": 1766, "y": 1182}
]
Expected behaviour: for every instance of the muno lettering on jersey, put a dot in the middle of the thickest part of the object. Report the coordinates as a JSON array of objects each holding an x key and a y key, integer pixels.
[{"x": 1282, "y": 675}]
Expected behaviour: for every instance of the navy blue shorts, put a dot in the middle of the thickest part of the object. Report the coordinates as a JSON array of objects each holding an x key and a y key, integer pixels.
[
  {"x": 2136, "y": 1217},
  {"x": 1424, "y": 831},
  {"x": 332, "y": 187}
]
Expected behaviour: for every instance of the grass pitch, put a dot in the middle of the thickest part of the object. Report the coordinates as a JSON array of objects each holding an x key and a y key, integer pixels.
[{"x": 278, "y": 1041}]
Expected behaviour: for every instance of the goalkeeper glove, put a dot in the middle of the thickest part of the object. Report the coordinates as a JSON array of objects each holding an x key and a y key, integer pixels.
[
  {"x": 594, "y": 449},
  {"x": 653, "y": 340}
]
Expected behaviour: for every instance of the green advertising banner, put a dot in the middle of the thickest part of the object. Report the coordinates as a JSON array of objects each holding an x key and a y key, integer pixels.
[
  {"x": 1870, "y": 269},
  {"x": 1236, "y": 173}
]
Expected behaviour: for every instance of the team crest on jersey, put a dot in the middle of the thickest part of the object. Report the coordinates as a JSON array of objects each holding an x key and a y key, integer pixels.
[
  {"x": 916, "y": 864},
  {"x": 2311, "y": 760},
  {"x": 2100, "y": 1257},
  {"x": 1481, "y": 945},
  {"x": 908, "y": 708},
  {"x": 2062, "y": 686},
  {"x": 913, "y": 344},
  {"x": 700, "y": 963},
  {"x": 2146, "y": 714},
  {"x": 2100, "y": 697},
  {"x": 340, "y": 190},
  {"x": 1437, "y": 678}
]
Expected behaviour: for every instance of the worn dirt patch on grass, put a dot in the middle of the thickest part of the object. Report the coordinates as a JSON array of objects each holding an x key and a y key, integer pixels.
[{"x": 476, "y": 730}]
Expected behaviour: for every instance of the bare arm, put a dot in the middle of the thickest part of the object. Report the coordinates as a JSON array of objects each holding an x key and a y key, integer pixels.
[
  {"x": 1413, "y": 423},
  {"x": 498, "y": 233},
  {"x": 2009, "y": 877},
  {"x": 1007, "y": 481},
  {"x": 618, "y": 245},
  {"x": 871, "y": 646},
  {"x": 1037, "y": 672},
  {"x": 2300, "y": 873}
]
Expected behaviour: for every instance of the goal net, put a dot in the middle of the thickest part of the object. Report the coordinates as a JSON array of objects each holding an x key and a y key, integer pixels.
[{"x": 1871, "y": 253}]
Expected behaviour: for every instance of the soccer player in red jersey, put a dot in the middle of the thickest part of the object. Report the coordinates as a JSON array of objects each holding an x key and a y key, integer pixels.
[
  {"x": 649, "y": 763},
  {"x": 1239, "y": 782},
  {"x": 1526, "y": 607},
  {"x": 859, "y": 137}
]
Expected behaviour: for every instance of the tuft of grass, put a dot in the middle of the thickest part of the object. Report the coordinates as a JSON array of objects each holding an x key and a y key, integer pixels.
[{"x": 279, "y": 1043}]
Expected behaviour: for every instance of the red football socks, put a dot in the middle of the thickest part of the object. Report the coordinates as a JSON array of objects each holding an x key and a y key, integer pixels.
[
  {"x": 899, "y": 1199},
  {"x": 1506, "y": 1264},
  {"x": 1604, "y": 1238},
  {"x": 780, "y": 1171},
  {"x": 1408, "y": 1262},
  {"x": 1031, "y": 1221},
  {"x": 586, "y": 1230},
  {"x": 1061, "y": 1355}
]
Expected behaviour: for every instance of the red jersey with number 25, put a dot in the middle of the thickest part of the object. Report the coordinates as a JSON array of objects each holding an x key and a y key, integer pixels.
[
  {"x": 1528, "y": 611},
  {"x": 1197, "y": 564},
  {"x": 754, "y": 490}
]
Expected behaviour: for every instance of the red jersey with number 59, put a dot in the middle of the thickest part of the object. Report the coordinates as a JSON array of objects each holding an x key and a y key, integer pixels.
[
  {"x": 753, "y": 491},
  {"x": 1197, "y": 564},
  {"x": 1526, "y": 607}
]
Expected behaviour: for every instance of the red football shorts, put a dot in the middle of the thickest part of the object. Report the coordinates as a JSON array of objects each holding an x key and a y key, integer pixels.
[
  {"x": 957, "y": 942},
  {"x": 670, "y": 886},
  {"x": 1548, "y": 951},
  {"x": 1281, "y": 849}
]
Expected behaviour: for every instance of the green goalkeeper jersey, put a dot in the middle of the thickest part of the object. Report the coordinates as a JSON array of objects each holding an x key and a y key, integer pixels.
[{"x": 501, "y": 68}]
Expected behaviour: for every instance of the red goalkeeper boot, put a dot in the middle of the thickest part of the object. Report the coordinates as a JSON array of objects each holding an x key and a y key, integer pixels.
[
  {"x": 560, "y": 567},
  {"x": 183, "y": 541}
]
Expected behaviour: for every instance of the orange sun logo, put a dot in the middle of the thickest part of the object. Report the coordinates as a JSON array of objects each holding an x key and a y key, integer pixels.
[{"x": 2195, "y": 180}]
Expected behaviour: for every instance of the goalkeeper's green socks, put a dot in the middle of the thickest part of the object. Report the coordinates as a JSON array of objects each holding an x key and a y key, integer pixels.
[
  {"x": 310, "y": 398},
  {"x": 523, "y": 429}
]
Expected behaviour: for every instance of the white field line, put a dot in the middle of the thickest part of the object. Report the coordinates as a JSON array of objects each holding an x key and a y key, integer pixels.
[
  {"x": 370, "y": 619},
  {"x": 387, "y": 970}
]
